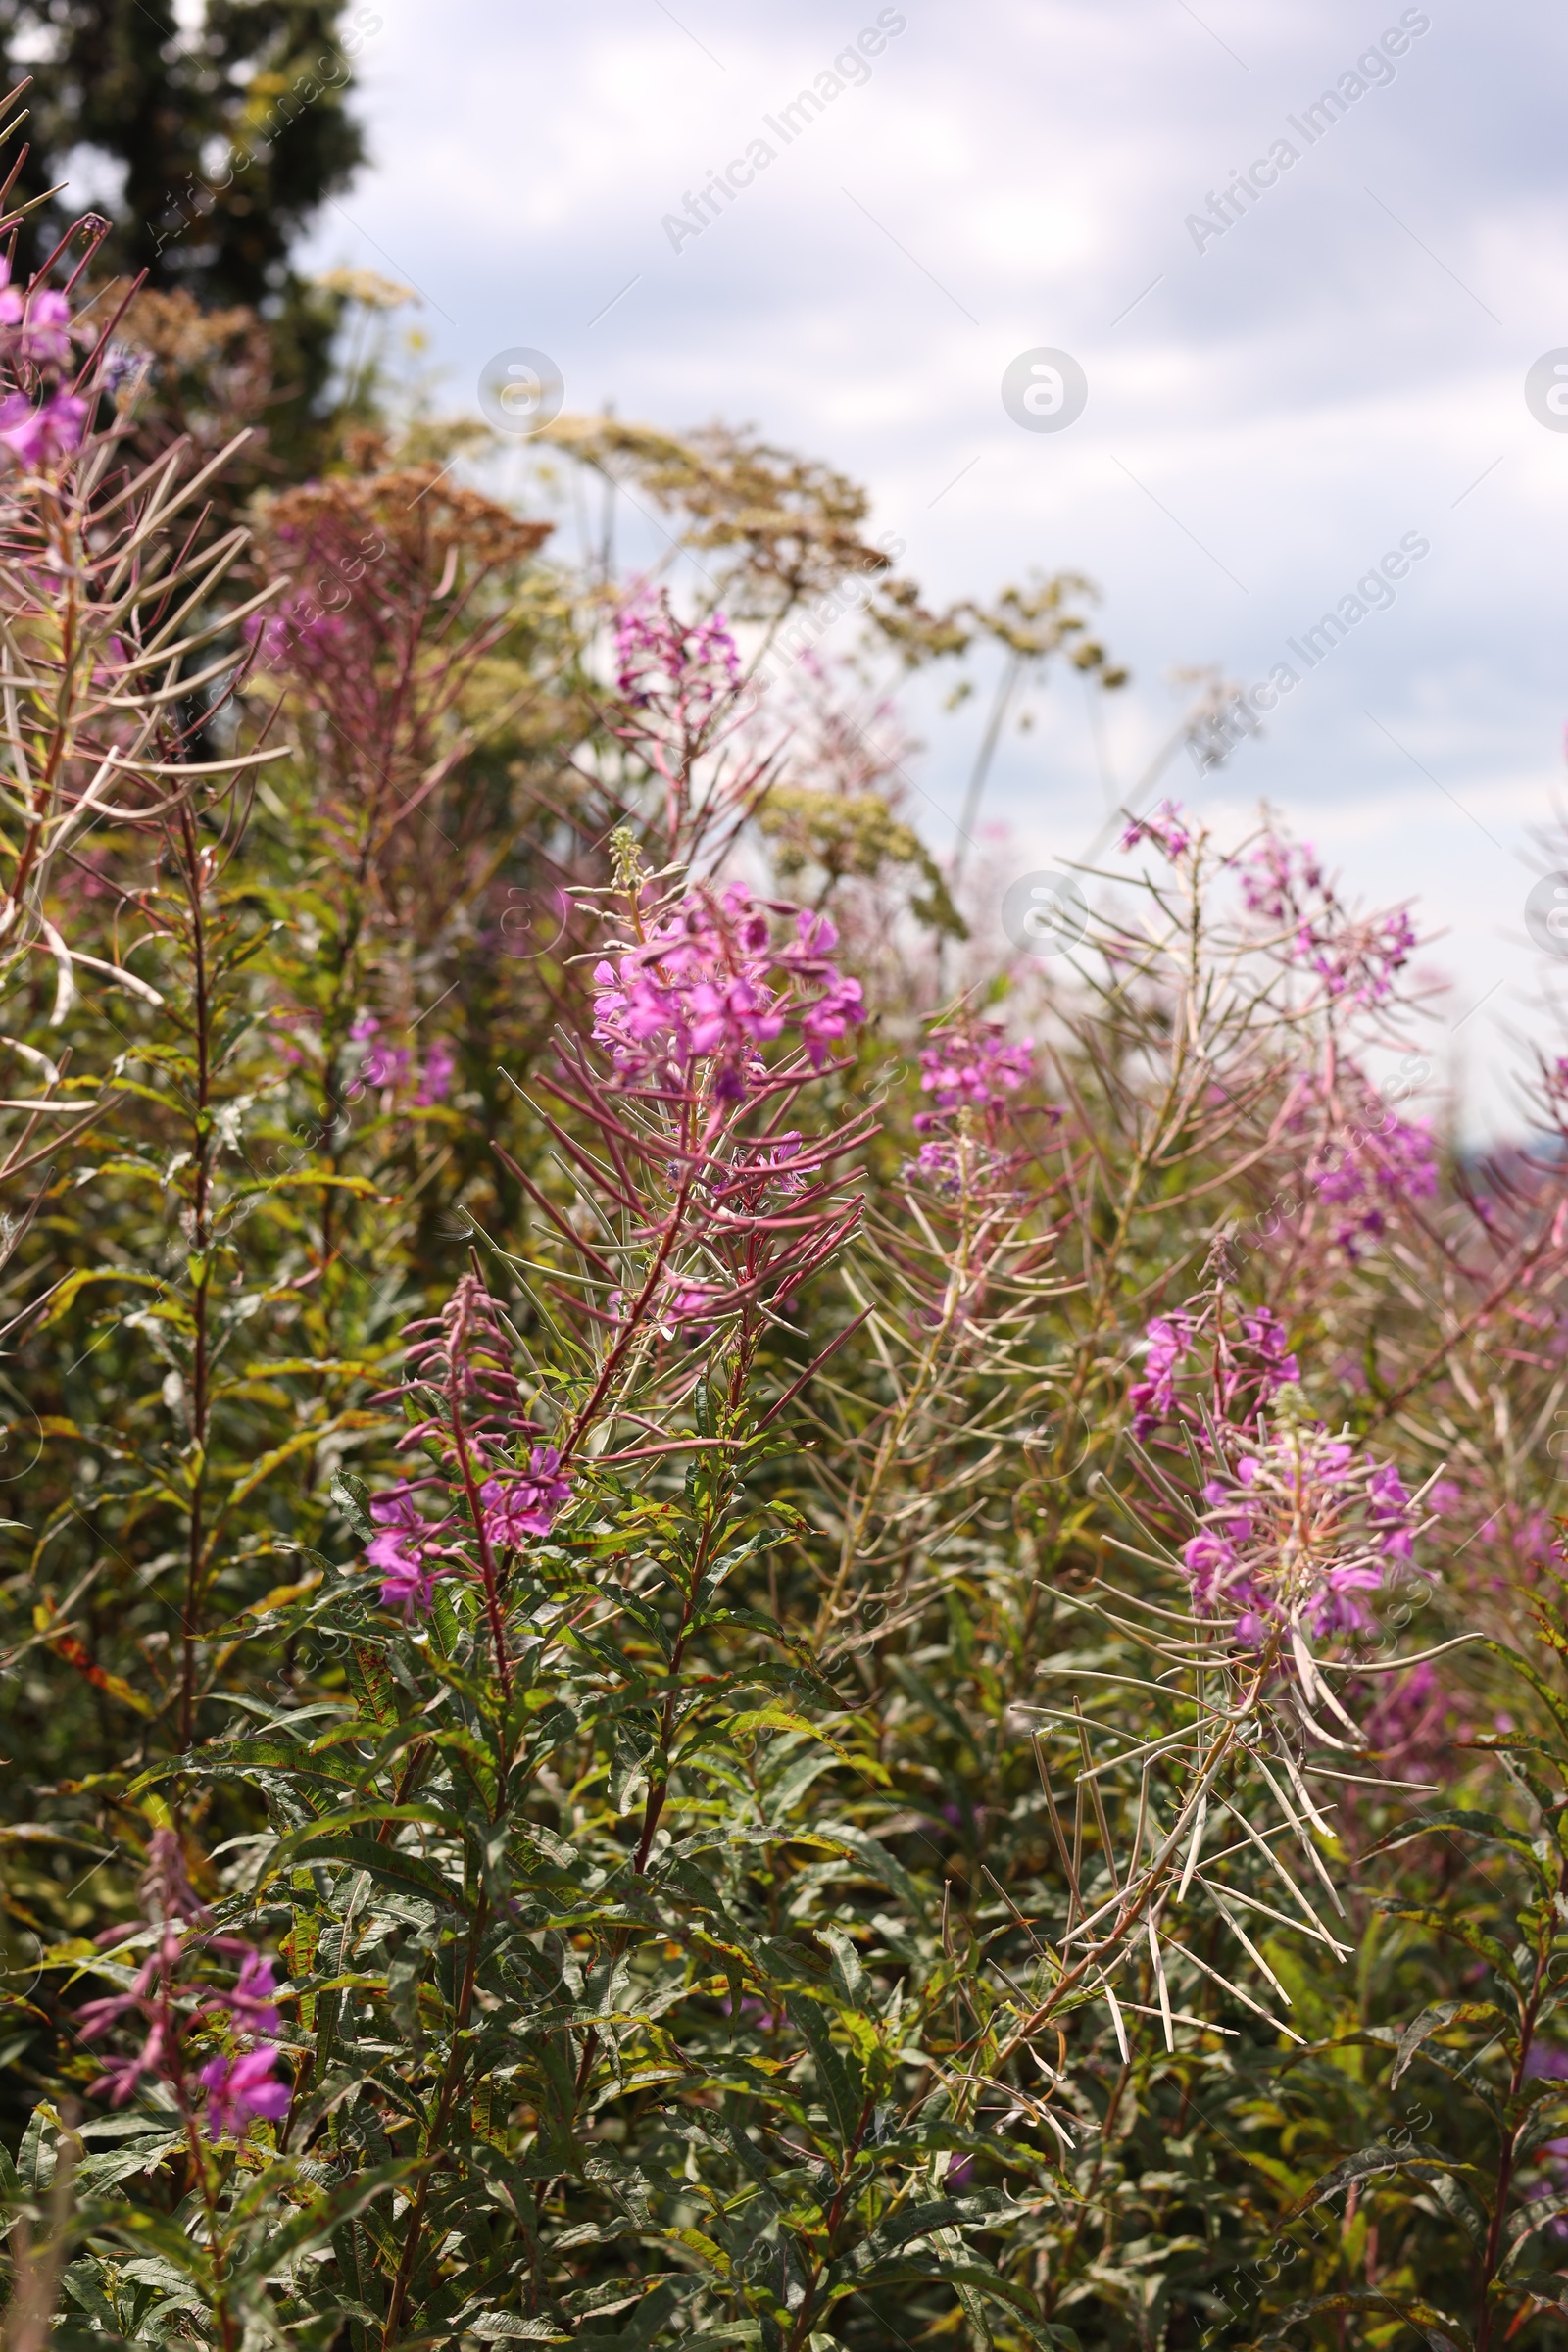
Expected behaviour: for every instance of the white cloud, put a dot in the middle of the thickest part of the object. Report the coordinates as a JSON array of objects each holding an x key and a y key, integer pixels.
[{"x": 1339, "y": 368}]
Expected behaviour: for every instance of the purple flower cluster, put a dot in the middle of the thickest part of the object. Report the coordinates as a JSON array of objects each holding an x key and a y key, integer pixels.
[
  {"x": 1293, "y": 1529},
  {"x": 410, "y": 1552},
  {"x": 1355, "y": 958},
  {"x": 708, "y": 985},
  {"x": 525, "y": 1502},
  {"x": 1367, "y": 1173},
  {"x": 1277, "y": 876},
  {"x": 952, "y": 1165},
  {"x": 1247, "y": 1373},
  {"x": 1166, "y": 828},
  {"x": 971, "y": 1067},
  {"x": 1407, "y": 1720},
  {"x": 384, "y": 1065},
  {"x": 461, "y": 1367},
  {"x": 413, "y": 1554},
  {"x": 435, "y": 1077},
  {"x": 969, "y": 1074},
  {"x": 1359, "y": 960},
  {"x": 37, "y": 327},
  {"x": 39, "y": 435},
  {"x": 35, "y": 331},
  {"x": 238, "y": 2089},
  {"x": 683, "y": 669},
  {"x": 241, "y": 2084}
]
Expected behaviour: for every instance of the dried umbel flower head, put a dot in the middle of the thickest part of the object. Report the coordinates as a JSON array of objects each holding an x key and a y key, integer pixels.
[{"x": 401, "y": 587}]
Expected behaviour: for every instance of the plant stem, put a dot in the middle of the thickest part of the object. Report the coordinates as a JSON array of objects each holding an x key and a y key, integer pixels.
[
  {"x": 200, "y": 1239},
  {"x": 447, "y": 2101}
]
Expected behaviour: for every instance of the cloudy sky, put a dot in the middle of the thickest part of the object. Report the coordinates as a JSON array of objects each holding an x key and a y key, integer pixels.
[{"x": 1273, "y": 404}]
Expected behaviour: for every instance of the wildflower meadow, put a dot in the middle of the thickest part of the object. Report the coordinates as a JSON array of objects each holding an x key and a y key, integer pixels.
[{"x": 728, "y": 1619}]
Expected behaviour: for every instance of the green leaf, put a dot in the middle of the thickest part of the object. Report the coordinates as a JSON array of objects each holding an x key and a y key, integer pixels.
[
  {"x": 838, "y": 2075},
  {"x": 1474, "y": 1939},
  {"x": 389, "y": 1865},
  {"x": 71, "y": 1287},
  {"x": 301, "y": 1182},
  {"x": 492, "y": 2325},
  {"x": 1376, "y": 2302},
  {"x": 1435, "y": 2020},
  {"x": 288, "y": 2234},
  {"x": 353, "y": 1498}
]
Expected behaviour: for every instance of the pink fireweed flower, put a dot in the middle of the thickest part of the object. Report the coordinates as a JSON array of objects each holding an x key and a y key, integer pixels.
[
  {"x": 1368, "y": 1174},
  {"x": 1407, "y": 1719},
  {"x": 969, "y": 1069},
  {"x": 120, "y": 2076},
  {"x": 1165, "y": 1344},
  {"x": 1389, "y": 1508},
  {"x": 1242, "y": 1374},
  {"x": 1359, "y": 960},
  {"x": 829, "y": 1017},
  {"x": 707, "y": 985},
  {"x": 1166, "y": 828},
  {"x": 435, "y": 1079},
  {"x": 841, "y": 1005},
  {"x": 44, "y": 322},
  {"x": 169, "y": 2003},
  {"x": 1354, "y": 957},
  {"x": 775, "y": 1163},
  {"x": 528, "y": 1503},
  {"x": 385, "y": 1065},
  {"x": 381, "y": 1064},
  {"x": 685, "y": 670},
  {"x": 690, "y": 1301},
  {"x": 953, "y": 1165},
  {"x": 252, "y": 2002},
  {"x": 689, "y": 1310},
  {"x": 1293, "y": 1531},
  {"x": 238, "y": 2089},
  {"x": 404, "y": 1552},
  {"x": 36, "y": 435},
  {"x": 1277, "y": 876}
]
